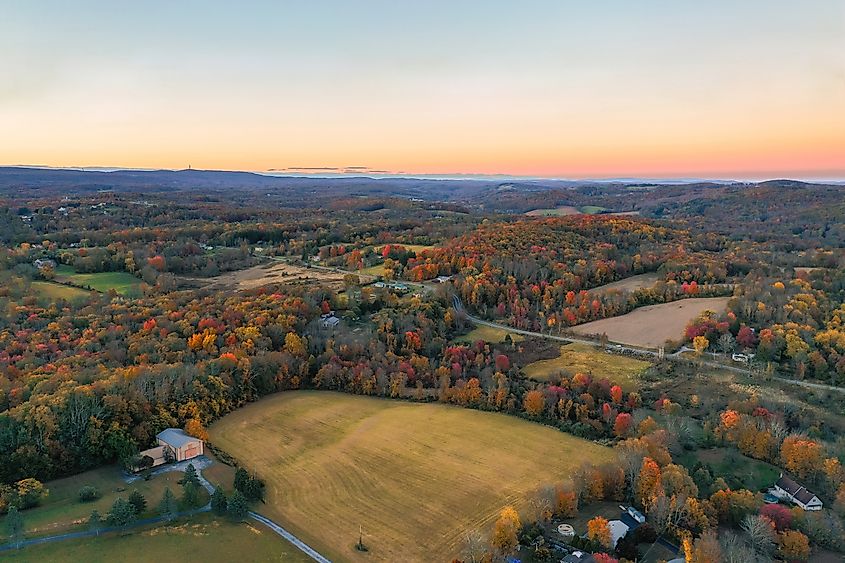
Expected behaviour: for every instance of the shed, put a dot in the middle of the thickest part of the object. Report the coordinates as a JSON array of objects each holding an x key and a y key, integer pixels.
[{"x": 183, "y": 446}]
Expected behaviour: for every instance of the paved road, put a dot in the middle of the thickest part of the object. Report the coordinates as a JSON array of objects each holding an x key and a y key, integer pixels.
[
  {"x": 637, "y": 350},
  {"x": 303, "y": 547}
]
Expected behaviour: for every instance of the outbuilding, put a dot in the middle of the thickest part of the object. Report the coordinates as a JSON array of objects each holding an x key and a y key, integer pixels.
[{"x": 181, "y": 444}]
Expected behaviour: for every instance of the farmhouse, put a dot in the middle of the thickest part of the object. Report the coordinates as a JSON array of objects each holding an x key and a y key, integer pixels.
[
  {"x": 183, "y": 446},
  {"x": 787, "y": 489}
]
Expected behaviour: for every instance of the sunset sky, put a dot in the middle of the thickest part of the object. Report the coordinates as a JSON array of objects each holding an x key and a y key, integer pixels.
[{"x": 750, "y": 89}]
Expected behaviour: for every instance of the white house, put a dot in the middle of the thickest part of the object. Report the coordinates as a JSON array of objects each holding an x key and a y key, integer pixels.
[
  {"x": 618, "y": 529},
  {"x": 787, "y": 489}
]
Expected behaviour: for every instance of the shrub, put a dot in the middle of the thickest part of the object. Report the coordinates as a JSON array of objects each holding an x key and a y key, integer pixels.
[{"x": 89, "y": 493}]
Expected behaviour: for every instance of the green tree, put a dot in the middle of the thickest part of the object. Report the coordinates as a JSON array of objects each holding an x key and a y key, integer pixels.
[
  {"x": 241, "y": 479},
  {"x": 14, "y": 526},
  {"x": 138, "y": 502},
  {"x": 238, "y": 507},
  {"x": 121, "y": 514},
  {"x": 191, "y": 475},
  {"x": 95, "y": 522},
  {"x": 190, "y": 494},
  {"x": 168, "y": 507},
  {"x": 219, "y": 503}
]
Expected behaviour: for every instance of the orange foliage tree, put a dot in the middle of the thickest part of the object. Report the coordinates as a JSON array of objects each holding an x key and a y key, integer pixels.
[{"x": 598, "y": 529}]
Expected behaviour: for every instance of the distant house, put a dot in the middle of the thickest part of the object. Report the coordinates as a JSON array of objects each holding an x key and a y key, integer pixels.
[
  {"x": 787, "y": 489},
  {"x": 329, "y": 321},
  {"x": 442, "y": 279},
  {"x": 578, "y": 557},
  {"x": 42, "y": 263},
  {"x": 183, "y": 446}
]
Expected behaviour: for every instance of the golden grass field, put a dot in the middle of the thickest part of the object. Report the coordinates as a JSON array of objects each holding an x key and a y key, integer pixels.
[
  {"x": 651, "y": 326},
  {"x": 487, "y": 334},
  {"x": 58, "y": 291},
  {"x": 275, "y": 272},
  {"x": 413, "y": 476},
  {"x": 629, "y": 284},
  {"x": 583, "y": 358}
]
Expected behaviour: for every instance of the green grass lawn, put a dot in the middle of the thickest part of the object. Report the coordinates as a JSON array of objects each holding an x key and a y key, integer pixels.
[
  {"x": 487, "y": 334},
  {"x": 58, "y": 291},
  {"x": 202, "y": 538},
  {"x": 61, "y": 511},
  {"x": 123, "y": 283},
  {"x": 591, "y": 209},
  {"x": 575, "y": 358},
  {"x": 377, "y": 270},
  {"x": 738, "y": 470}
]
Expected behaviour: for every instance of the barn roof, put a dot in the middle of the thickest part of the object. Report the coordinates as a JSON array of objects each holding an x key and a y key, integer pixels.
[{"x": 175, "y": 437}]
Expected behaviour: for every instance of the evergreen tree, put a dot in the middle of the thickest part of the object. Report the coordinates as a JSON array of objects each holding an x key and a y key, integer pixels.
[
  {"x": 219, "y": 503},
  {"x": 138, "y": 502},
  {"x": 238, "y": 507},
  {"x": 168, "y": 506},
  {"x": 191, "y": 475},
  {"x": 241, "y": 479},
  {"x": 14, "y": 526},
  {"x": 121, "y": 514},
  {"x": 95, "y": 522},
  {"x": 190, "y": 494},
  {"x": 254, "y": 489}
]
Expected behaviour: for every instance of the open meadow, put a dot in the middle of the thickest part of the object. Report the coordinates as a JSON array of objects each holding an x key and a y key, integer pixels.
[
  {"x": 123, "y": 283},
  {"x": 272, "y": 273},
  {"x": 56, "y": 291},
  {"x": 202, "y": 538},
  {"x": 414, "y": 477},
  {"x": 486, "y": 333},
  {"x": 651, "y": 326},
  {"x": 629, "y": 284},
  {"x": 583, "y": 358}
]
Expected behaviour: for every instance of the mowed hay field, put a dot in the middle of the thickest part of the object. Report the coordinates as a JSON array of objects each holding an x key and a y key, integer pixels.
[
  {"x": 58, "y": 291},
  {"x": 276, "y": 272},
  {"x": 413, "y": 476},
  {"x": 583, "y": 358},
  {"x": 487, "y": 334},
  {"x": 651, "y": 326},
  {"x": 629, "y": 284}
]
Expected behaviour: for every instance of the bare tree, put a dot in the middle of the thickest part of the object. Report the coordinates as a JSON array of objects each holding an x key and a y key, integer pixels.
[
  {"x": 736, "y": 550},
  {"x": 760, "y": 533},
  {"x": 474, "y": 547}
]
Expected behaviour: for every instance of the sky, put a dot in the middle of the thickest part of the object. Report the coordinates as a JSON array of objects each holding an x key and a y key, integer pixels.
[{"x": 557, "y": 88}]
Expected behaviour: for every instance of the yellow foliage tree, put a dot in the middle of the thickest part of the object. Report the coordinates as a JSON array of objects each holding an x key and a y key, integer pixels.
[
  {"x": 700, "y": 343},
  {"x": 598, "y": 529},
  {"x": 195, "y": 428},
  {"x": 505, "y": 531},
  {"x": 793, "y": 545}
]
